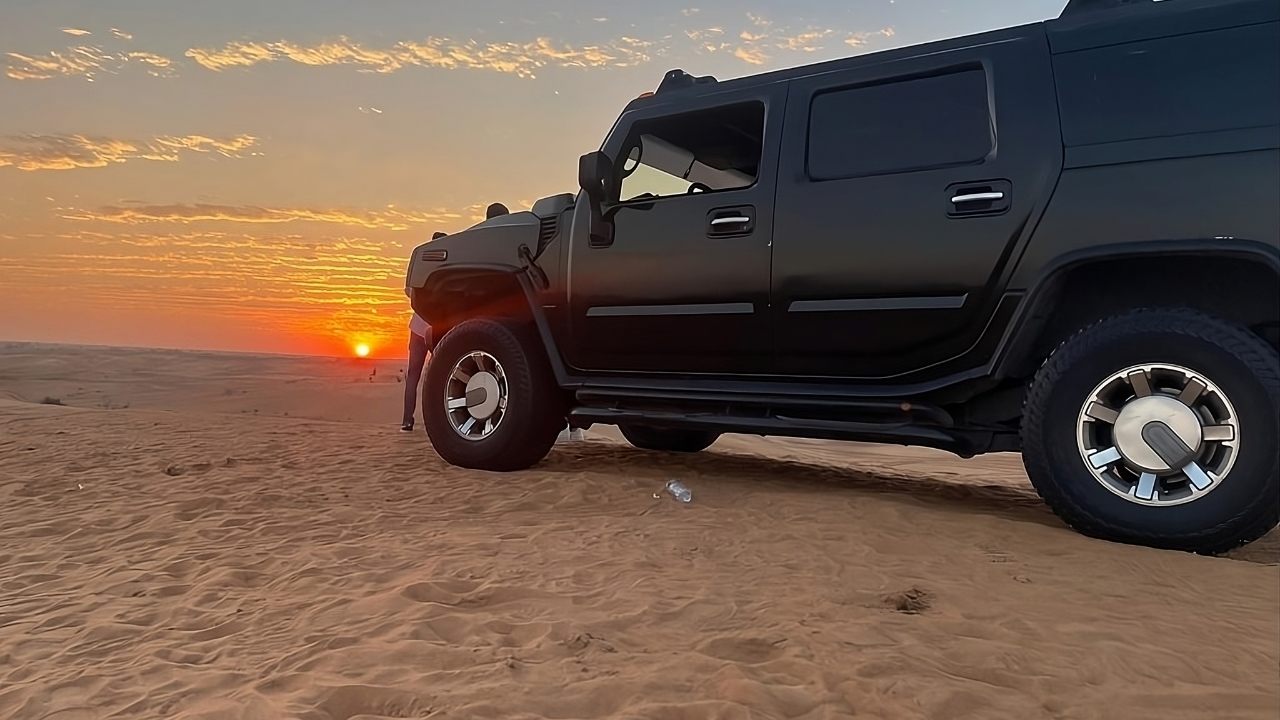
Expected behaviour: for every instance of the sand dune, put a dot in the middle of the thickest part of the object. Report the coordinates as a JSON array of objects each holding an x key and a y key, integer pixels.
[{"x": 199, "y": 554}]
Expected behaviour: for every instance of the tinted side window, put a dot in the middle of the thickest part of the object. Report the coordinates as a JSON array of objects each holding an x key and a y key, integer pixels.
[
  {"x": 899, "y": 126},
  {"x": 1181, "y": 85}
]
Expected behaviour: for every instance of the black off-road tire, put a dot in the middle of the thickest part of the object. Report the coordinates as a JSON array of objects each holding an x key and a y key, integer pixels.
[
  {"x": 535, "y": 406},
  {"x": 668, "y": 440},
  {"x": 1245, "y": 367}
]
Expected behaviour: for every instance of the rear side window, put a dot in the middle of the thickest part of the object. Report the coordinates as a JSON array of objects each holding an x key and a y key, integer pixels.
[
  {"x": 900, "y": 126},
  {"x": 1194, "y": 83}
]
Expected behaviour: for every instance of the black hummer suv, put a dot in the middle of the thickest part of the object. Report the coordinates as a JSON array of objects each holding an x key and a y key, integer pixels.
[{"x": 1061, "y": 239}]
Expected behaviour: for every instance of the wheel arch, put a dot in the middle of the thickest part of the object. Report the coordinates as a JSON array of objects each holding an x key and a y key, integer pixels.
[
  {"x": 454, "y": 294},
  {"x": 1235, "y": 279}
]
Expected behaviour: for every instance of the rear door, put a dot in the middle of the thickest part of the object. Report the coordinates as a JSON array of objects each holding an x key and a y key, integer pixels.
[{"x": 905, "y": 188}]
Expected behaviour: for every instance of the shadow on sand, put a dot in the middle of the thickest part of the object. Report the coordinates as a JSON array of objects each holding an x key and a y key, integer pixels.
[
  {"x": 1011, "y": 502},
  {"x": 1014, "y": 503}
]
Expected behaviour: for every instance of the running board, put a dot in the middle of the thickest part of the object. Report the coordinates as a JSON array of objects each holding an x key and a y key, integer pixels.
[
  {"x": 617, "y": 398},
  {"x": 895, "y": 433}
]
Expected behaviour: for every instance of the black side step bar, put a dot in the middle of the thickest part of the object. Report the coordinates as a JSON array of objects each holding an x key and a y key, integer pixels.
[
  {"x": 622, "y": 397},
  {"x": 903, "y": 433}
]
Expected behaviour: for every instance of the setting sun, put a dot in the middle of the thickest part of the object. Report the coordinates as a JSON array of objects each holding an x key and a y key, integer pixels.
[{"x": 362, "y": 350}]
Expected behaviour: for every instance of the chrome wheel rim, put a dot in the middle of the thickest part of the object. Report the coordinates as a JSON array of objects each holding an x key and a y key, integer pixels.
[
  {"x": 1158, "y": 434},
  {"x": 475, "y": 397}
]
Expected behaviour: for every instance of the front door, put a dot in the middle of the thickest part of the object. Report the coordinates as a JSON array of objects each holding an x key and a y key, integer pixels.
[
  {"x": 906, "y": 187},
  {"x": 683, "y": 287}
]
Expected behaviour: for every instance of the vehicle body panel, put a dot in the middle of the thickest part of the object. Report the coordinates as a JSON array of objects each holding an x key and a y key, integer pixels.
[
  {"x": 875, "y": 276},
  {"x": 666, "y": 296}
]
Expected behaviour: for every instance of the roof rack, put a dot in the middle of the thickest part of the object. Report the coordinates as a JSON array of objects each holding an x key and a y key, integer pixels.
[
  {"x": 680, "y": 80},
  {"x": 1076, "y": 7}
]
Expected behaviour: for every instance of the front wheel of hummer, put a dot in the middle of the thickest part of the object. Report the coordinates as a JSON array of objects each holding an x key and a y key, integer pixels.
[
  {"x": 490, "y": 401},
  {"x": 1158, "y": 427}
]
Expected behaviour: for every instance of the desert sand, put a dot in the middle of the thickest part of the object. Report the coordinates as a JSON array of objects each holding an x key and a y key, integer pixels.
[{"x": 205, "y": 535}]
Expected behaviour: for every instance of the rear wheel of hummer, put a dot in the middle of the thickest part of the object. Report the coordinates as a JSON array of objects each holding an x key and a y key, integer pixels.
[
  {"x": 490, "y": 401},
  {"x": 1158, "y": 427},
  {"x": 668, "y": 440}
]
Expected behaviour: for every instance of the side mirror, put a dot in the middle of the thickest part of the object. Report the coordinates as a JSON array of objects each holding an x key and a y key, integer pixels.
[{"x": 595, "y": 176}]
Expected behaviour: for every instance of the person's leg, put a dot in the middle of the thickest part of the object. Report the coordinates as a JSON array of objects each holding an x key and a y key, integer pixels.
[
  {"x": 570, "y": 434},
  {"x": 412, "y": 377}
]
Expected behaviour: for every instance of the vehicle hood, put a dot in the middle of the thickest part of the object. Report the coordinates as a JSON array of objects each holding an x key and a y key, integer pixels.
[{"x": 494, "y": 243}]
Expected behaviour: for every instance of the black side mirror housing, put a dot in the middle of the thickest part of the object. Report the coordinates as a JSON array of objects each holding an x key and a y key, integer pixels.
[{"x": 595, "y": 176}]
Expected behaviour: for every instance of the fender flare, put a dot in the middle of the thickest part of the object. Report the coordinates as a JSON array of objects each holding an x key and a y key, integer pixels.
[
  {"x": 1038, "y": 299},
  {"x": 446, "y": 272},
  {"x": 536, "y": 310}
]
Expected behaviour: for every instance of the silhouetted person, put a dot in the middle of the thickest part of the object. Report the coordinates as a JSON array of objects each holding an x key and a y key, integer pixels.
[
  {"x": 419, "y": 347},
  {"x": 495, "y": 210}
]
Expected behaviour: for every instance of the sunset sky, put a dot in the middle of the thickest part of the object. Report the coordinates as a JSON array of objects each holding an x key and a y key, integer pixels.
[{"x": 251, "y": 174}]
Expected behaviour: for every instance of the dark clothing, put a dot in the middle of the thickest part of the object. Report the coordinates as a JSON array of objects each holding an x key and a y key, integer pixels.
[{"x": 413, "y": 376}]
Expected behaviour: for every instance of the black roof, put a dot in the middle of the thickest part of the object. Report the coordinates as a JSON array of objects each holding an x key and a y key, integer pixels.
[
  {"x": 678, "y": 84},
  {"x": 1079, "y": 6}
]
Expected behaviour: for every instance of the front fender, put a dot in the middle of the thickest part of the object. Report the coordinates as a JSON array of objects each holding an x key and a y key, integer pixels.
[{"x": 492, "y": 245}]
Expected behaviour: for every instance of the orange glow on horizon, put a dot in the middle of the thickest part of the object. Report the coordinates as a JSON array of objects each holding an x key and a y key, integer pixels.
[{"x": 362, "y": 350}]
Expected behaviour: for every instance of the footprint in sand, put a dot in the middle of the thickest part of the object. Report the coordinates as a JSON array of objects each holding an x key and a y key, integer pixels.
[
  {"x": 442, "y": 592},
  {"x": 582, "y": 641},
  {"x": 911, "y": 602},
  {"x": 747, "y": 651}
]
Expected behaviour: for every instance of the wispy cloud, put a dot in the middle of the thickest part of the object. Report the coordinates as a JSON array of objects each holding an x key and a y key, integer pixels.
[
  {"x": 522, "y": 59},
  {"x": 757, "y": 44},
  {"x": 762, "y": 41},
  {"x": 751, "y": 55},
  {"x": 76, "y": 31},
  {"x": 388, "y": 219},
  {"x": 862, "y": 38},
  {"x": 805, "y": 41},
  {"x": 159, "y": 64},
  {"x": 84, "y": 61},
  {"x": 65, "y": 152}
]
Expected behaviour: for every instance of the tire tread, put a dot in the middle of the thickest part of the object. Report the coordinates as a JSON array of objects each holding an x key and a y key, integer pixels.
[
  {"x": 1252, "y": 522},
  {"x": 532, "y": 371}
]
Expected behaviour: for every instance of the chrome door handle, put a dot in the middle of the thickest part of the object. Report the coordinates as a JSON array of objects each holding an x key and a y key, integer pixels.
[
  {"x": 975, "y": 197},
  {"x": 740, "y": 220}
]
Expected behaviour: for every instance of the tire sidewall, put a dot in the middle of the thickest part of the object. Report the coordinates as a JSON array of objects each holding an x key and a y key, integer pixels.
[
  {"x": 1251, "y": 479},
  {"x": 528, "y": 427}
]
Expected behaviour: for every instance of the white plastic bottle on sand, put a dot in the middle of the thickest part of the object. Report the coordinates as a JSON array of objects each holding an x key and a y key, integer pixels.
[{"x": 679, "y": 491}]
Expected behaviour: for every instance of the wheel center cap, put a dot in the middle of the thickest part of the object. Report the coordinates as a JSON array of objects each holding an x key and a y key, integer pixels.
[
  {"x": 1158, "y": 434},
  {"x": 482, "y": 395}
]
